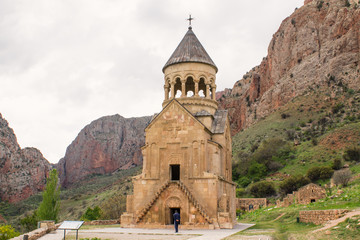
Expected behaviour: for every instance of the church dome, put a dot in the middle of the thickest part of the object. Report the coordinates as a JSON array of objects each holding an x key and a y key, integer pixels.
[{"x": 190, "y": 50}]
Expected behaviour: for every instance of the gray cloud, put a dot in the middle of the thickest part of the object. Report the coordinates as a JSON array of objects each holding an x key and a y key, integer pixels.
[{"x": 64, "y": 63}]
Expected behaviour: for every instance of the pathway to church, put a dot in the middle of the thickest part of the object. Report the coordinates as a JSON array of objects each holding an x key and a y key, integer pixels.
[{"x": 148, "y": 234}]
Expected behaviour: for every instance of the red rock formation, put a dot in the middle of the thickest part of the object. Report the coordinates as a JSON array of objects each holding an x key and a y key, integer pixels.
[
  {"x": 315, "y": 45},
  {"x": 104, "y": 146},
  {"x": 23, "y": 172}
]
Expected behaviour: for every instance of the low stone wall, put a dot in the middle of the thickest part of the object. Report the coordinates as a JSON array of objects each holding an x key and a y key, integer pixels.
[
  {"x": 321, "y": 216},
  {"x": 37, "y": 233},
  {"x": 103, "y": 222},
  {"x": 244, "y": 203}
]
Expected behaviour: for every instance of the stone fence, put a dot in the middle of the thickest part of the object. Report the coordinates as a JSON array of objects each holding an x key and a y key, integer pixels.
[
  {"x": 103, "y": 222},
  {"x": 249, "y": 204},
  {"x": 37, "y": 233},
  {"x": 320, "y": 216}
]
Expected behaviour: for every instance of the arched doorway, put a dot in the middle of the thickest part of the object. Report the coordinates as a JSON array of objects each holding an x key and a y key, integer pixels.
[{"x": 172, "y": 204}]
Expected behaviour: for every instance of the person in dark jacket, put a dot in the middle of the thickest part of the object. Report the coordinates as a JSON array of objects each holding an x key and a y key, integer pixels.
[{"x": 176, "y": 220}]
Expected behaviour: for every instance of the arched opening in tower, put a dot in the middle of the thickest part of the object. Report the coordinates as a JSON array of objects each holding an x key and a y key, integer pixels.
[
  {"x": 202, "y": 87},
  {"x": 177, "y": 88},
  {"x": 190, "y": 87}
]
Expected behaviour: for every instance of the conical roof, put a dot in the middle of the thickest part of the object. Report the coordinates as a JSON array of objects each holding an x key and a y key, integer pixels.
[{"x": 190, "y": 50}]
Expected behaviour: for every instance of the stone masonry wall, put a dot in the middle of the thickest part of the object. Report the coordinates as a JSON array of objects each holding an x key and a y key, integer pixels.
[
  {"x": 244, "y": 203},
  {"x": 320, "y": 216}
]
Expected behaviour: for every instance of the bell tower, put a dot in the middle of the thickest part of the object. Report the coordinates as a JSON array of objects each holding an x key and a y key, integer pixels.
[{"x": 190, "y": 77}]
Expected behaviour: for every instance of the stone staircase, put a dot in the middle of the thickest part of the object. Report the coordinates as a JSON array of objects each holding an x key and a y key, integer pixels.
[
  {"x": 187, "y": 192},
  {"x": 194, "y": 201},
  {"x": 153, "y": 200}
]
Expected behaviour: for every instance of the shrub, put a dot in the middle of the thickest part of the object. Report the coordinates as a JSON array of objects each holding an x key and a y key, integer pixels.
[
  {"x": 337, "y": 164},
  {"x": 293, "y": 183},
  {"x": 285, "y": 115},
  {"x": 272, "y": 150},
  {"x": 113, "y": 207},
  {"x": 316, "y": 173},
  {"x": 240, "y": 192},
  {"x": 257, "y": 170},
  {"x": 319, "y": 5},
  {"x": 7, "y": 232},
  {"x": 244, "y": 181},
  {"x": 91, "y": 214},
  {"x": 342, "y": 177},
  {"x": 262, "y": 189},
  {"x": 352, "y": 154},
  {"x": 30, "y": 222},
  {"x": 337, "y": 108},
  {"x": 314, "y": 141}
]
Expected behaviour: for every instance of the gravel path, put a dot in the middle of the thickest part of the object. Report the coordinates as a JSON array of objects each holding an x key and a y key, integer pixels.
[{"x": 148, "y": 234}]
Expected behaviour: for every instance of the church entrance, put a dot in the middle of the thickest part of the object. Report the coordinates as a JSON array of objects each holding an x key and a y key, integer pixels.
[
  {"x": 175, "y": 172},
  {"x": 172, "y": 211}
]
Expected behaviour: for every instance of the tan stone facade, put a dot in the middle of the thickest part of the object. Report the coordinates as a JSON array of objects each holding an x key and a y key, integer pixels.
[{"x": 187, "y": 155}]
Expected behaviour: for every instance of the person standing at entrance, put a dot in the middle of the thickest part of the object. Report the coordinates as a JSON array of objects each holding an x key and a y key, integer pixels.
[{"x": 176, "y": 220}]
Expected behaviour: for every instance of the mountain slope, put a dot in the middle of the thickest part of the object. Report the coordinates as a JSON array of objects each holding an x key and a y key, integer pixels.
[
  {"x": 317, "y": 44},
  {"x": 23, "y": 172},
  {"x": 102, "y": 147}
]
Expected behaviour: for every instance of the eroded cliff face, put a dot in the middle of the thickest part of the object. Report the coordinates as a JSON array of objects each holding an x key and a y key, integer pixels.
[
  {"x": 316, "y": 45},
  {"x": 102, "y": 147},
  {"x": 23, "y": 172}
]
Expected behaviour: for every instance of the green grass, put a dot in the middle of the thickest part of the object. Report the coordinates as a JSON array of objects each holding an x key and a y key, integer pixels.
[
  {"x": 287, "y": 225},
  {"x": 90, "y": 227},
  {"x": 90, "y": 192}
]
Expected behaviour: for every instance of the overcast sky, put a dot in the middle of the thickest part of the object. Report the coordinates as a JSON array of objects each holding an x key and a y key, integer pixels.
[{"x": 65, "y": 63}]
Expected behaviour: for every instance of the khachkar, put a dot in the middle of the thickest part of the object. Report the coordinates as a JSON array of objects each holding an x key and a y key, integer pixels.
[{"x": 187, "y": 152}]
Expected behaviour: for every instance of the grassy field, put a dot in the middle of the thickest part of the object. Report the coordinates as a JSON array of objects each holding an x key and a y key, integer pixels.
[
  {"x": 281, "y": 223},
  {"x": 92, "y": 191}
]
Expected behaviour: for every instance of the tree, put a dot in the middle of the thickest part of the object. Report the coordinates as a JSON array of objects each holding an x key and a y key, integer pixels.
[
  {"x": 50, "y": 205},
  {"x": 342, "y": 177},
  {"x": 262, "y": 189},
  {"x": 292, "y": 184},
  {"x": 113, "y": 207},
  {"x": 316, "y": 173}
]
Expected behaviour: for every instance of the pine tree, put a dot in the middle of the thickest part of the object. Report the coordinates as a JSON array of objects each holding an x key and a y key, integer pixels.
[{"x": 50, "y": 205}]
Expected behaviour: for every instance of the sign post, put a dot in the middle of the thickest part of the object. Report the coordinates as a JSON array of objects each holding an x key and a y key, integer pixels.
[{"x": 71, "y": 225}]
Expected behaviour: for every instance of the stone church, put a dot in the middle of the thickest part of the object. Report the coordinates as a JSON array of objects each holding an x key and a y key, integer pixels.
[{"x": 187, "y": 152}]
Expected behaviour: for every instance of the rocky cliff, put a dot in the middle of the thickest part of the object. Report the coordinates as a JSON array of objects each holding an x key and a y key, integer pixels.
[
  {"x": 23, "y": 172},
  {"x": 317, "y": 45},
  {"x": 103, "y": 146}
]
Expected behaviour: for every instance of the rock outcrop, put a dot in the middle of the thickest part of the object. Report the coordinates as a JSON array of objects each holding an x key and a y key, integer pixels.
[
  {"x": 318, "y": 45},
  {"x": 102, "y": 147},
  {"x": 23, "y": 172}
]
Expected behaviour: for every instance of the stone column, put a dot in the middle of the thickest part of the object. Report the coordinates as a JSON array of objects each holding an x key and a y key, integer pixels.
[
  {"x": 196, "y": 93},
  {"x": 213, "y": 92},
  {"x": 207, "y": 91},
  {"x": 183, "y": 88},
  {"x": 166, "y": 89},
  {"x": 172, "y": 90}
]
